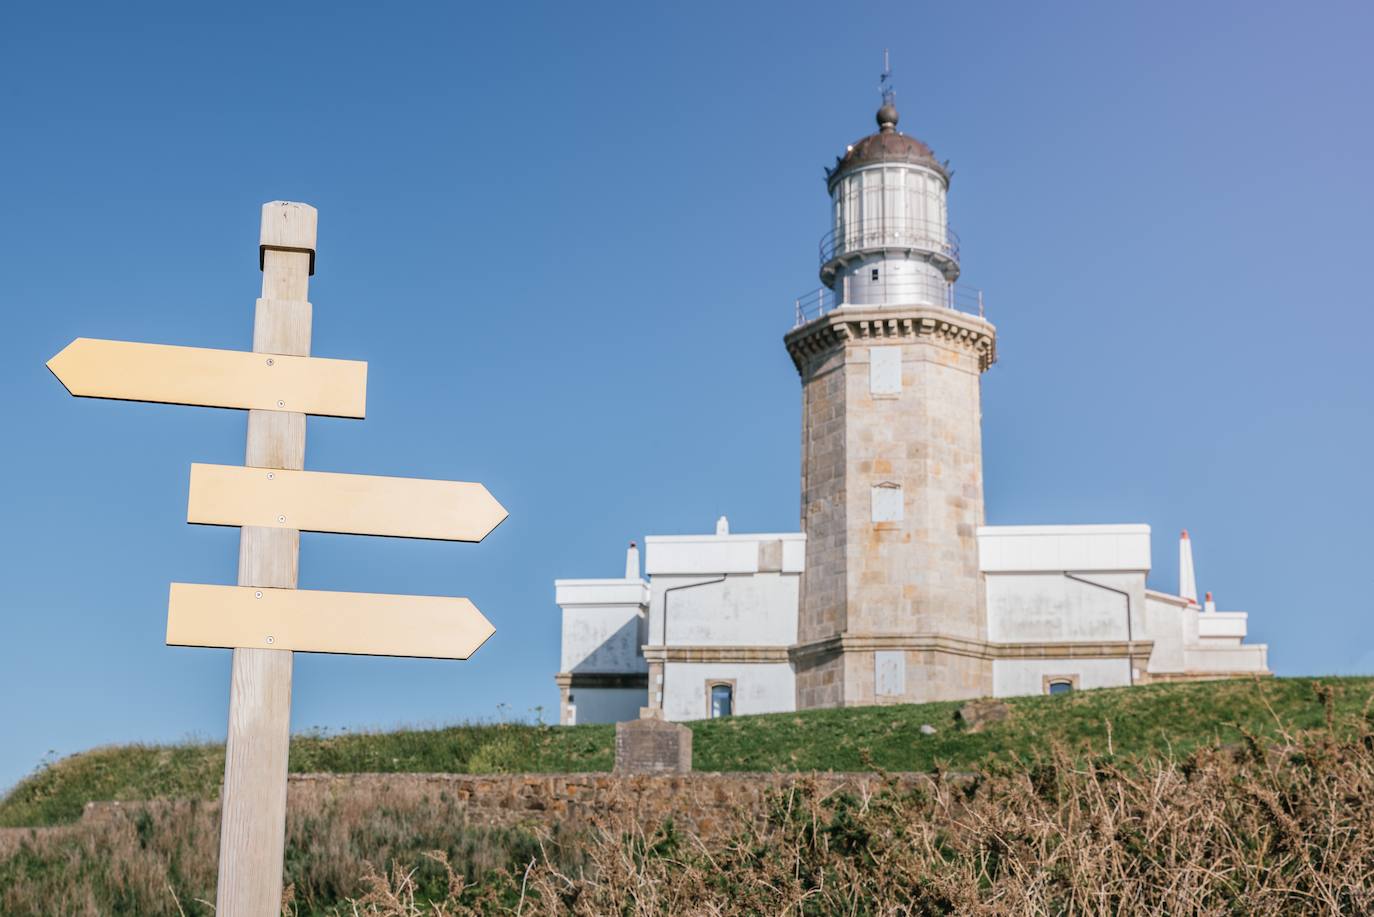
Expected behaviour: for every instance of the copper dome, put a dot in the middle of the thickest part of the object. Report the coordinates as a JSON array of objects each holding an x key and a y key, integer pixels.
[{"x": 887, "y": 145}]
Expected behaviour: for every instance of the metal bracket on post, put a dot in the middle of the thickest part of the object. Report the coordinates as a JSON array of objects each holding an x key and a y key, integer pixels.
[{"x": 287, "y": 227}]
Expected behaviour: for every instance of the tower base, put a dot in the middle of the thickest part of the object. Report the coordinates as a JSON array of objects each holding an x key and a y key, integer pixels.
[{"x": 851, "y": 670}]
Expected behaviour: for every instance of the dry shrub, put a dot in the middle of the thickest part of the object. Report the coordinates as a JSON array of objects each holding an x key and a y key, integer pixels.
[
  {"x": 1255, "y": 829},
  {"x": 159, "y": 859},
  {"x": 1250, "y": 830},
  {"x": 145, "y": 859}
]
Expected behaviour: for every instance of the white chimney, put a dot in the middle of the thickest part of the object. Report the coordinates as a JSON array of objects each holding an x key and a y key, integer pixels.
[
  {"x": 632, "y": 561},
  {"x": 722, "y": 526},
  {"x": 1187, "y": 580}
]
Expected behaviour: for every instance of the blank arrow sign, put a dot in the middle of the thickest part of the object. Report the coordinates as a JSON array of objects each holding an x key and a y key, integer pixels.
[
  {"x": 354, "y": 504},
  {"x": 130, "y": 371},
  {"x": 433, "y": 627}
]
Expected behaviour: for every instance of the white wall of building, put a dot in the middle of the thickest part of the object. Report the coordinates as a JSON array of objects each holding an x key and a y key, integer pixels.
[
  {"x": 710, "y": 594},
  {"x": 603, "y": 672},
  {"x": 757, "y": 609},
  {"x": 724, "y": 590},
  {"x": 759, "y": 687},
  {"x": 1050, "y": 607},
  {"x": 1014, "y": 677},
  {"x": 603, "y": 625},
  {"x": 1055, "y": 583},
  {"x": 1171, "y": 624},
  {"x": 606, "y": 705},
  {"x": 732, "y": 603}
]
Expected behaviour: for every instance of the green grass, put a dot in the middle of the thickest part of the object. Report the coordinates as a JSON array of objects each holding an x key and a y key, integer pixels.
[{"x": 1144, "y": 721}]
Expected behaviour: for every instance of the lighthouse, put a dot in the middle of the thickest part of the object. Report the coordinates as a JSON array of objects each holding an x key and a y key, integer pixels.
[
  {"x": 895, "y": 591},
  {"x": 890, "y": 355}
]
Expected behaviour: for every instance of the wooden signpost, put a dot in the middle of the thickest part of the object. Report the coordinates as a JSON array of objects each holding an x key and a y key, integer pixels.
[
  {"x": 427, "y": 626},
  {"x": 352, "y": 504},
  {"x": 272, "y": 499},
  {"x": 211, "y": 378}
]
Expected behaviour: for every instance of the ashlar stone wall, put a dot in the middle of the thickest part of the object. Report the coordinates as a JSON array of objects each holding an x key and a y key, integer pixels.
[{"x": 892, "y": 605}]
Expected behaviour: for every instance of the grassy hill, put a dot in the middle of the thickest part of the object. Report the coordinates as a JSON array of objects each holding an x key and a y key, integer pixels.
[{"x": 1130, "y": 723}]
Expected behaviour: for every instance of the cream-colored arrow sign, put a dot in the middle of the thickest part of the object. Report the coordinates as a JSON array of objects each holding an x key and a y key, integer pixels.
[
  {"x": 130, "y": 371},
  {"x": 354, "y": 504},
  {"x": 433, "y": 627}
]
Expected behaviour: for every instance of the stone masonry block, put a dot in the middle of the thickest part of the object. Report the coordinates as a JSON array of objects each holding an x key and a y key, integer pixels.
[{"x": 652, "y": 746}]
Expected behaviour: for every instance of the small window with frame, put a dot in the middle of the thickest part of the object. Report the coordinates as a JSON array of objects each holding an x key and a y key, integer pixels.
[
  {"x": 720, "y": 699},
  {"x": 1056, "y": 685}
]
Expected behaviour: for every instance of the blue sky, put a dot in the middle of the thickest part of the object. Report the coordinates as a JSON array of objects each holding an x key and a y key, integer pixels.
[{"x": 567, "y": 237}]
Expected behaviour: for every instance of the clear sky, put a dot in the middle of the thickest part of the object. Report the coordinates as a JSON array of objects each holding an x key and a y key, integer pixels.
[{"x": 567, "y": 236}]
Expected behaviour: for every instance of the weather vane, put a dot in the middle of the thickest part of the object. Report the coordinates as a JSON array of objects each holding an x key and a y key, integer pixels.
[{"x": 885, "y": 82}]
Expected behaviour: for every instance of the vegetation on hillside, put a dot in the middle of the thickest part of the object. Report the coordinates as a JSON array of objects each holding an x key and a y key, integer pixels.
[
  {"x": 1277, "y": 822},
  {"x": 1257, "y": 830},
  {"x": 1131, "y": 723}
]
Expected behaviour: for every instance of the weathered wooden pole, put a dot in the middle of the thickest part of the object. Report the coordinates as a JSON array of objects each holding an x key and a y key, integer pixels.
[{"x": 253, "y": 813}]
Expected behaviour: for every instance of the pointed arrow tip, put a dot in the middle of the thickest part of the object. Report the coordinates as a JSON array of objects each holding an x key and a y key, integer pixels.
[
  {"x": 481, "y": 628},
  {"x": 499, "y": 513},
  {"x": 60, "y": 361},
  {"x": 491, "y": 631}
]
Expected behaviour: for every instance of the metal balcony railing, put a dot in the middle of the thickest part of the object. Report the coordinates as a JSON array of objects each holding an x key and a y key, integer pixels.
[
  {"x": 867, "y": 235},
  {"x": 958, "y": 297}
]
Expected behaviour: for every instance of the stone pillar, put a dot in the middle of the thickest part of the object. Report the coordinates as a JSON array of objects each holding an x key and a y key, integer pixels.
[
  {"x": 652, "y": 746},
  {"x": 892, "y": 606}
]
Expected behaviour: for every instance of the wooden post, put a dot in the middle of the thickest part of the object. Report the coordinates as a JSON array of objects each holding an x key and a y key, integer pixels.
[
  {"x": 265, "y": 617},
  {"x": 253, "y": 814}
]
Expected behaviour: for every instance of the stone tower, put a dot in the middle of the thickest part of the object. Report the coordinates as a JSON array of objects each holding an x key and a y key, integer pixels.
[{"x": 892, "y": 600}]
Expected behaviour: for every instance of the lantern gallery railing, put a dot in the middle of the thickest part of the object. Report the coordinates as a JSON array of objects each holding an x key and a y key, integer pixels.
[
  {"x": 866, "y": 235},
  {"x": 897, "y": 293}
]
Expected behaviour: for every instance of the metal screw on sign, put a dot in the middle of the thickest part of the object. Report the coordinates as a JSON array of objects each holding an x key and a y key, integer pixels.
[{"x": 253, "y": 814}]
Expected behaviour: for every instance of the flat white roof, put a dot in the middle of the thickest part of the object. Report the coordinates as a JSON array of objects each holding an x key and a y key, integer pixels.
[
  {"x": 693, "y": 539},
  {"x": 600, "y": 582},
  {"x": 605, "y": 592},
  {"x": 683, "y": 555},
  {"x": 1129, "y": 528},
  {"x": 1048, "y": 548}
]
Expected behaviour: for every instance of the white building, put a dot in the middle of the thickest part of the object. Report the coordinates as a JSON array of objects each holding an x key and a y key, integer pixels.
[
  {"x": 716, "y": 623},
  {"x": 896, "y": 591}
]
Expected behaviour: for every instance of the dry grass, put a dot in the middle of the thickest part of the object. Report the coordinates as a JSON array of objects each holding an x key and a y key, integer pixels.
[
  {"x": 159, "y": 859},
  {"x": 1147, "y": 721},
  {"x": 1259, "y": 826},
  {"x": 1284, "y": 830}
]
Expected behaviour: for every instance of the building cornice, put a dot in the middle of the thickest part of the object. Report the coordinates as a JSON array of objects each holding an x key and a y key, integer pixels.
[
  {"x": 602, "y": 679},
  {"x": 716, "y": 653},
  {"x": 1170, "y": 599},
  {"x": 1208, "y": 675},
  {"x": 977, "y": 649},
  {"x": 892, "y": 324}
]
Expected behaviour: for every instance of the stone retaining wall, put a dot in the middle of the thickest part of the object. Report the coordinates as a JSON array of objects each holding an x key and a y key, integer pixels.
[{"x": 702, "y": 803}]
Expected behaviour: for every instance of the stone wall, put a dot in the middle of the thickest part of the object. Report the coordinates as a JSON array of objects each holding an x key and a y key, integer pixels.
[
  {"x": 706, "y": 804},
  {"x": 824, "y": 517},
  {"x": 710, "y": 805},
  {"x": 885, "y": 584}
]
